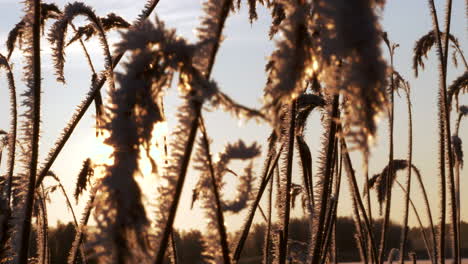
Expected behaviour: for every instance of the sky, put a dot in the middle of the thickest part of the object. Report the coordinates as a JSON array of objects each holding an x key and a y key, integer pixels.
[{"x": 239, "y": 71}]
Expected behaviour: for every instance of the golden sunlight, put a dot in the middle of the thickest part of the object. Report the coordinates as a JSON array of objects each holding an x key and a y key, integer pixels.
[
  {"x": 154, "y": 159},
  {"x": 102, "y": 154}
]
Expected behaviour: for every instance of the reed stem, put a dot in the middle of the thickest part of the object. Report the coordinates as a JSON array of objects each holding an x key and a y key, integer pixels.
[{"x": 36, "y": 108}]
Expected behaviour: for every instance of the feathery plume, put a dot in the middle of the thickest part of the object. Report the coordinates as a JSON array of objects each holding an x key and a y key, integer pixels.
[
  {"x": 423, "y": 46},
  {"x": 459, "y": 85},
  {"x": 48, "y": 11},
  {"x": 110, "y": 22},
  {"x": 13, "y": 124},
  {"x": 58, "y": 33},
  {"x": 350, "y": 62},
  {"x": 287, "y": 65},
  {"x": 457, "y": 149},
  {"x": 83, "y": 178}
]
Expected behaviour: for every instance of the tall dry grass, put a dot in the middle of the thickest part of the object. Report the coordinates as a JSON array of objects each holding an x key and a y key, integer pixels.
[{"x": 328, "y": 59}]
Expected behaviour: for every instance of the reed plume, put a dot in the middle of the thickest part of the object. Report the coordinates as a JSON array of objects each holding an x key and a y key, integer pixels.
[
  {"x": 48, "y": 11},
  {"x": 423, "y": 45},
  {"x": 83, "y": 178},
  {"x": 59, "y": 30},
  {"x": 349, "y": 47},
  {"x": 11, "y": 136}
]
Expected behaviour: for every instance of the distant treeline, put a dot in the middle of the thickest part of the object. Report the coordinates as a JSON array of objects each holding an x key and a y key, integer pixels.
[{"x": 191, "y": 248}]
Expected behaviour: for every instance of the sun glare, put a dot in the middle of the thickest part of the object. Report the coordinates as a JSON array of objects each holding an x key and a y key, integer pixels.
[
  {"x": 102, "y": 152},
  {"x": 154, "y": 160}
]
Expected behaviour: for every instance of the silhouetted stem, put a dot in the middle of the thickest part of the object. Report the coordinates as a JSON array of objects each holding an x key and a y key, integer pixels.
[
  {"x": 461, "y": 55},
  {"x": 388, "y": 188},
  {"x": 337, "y": 194},
  {"x": 79, "y": 232},
  {"x": 287, "y": 202},
  {"x": 13, "y": 128},
  {"x": 453, "y": 199},
  {"x": 98, "y": 98},
  {"x": 43, "y": 225},
  {"x": 357, "y": 196},
  {"x": 219, "y": 212},
  {"x": 190, "y": 141},
  {"x": 331, "y": 221},
  {"x": 316, "y": 255},
  {"x": 36, "y": 108},
  {"x": 362, "y": 244},
  {"x": 266, "y": 251},
  {"x": 331, "y": 217},
  {"x": 444, "y": 135},
  {"x": 180, "y": 183},
  {"x": 425, "y": 239},
  {"x": 368, "y": 201},
  {"x": 75, "y": 222},
  {"x": 175, "y": 258},
  {"x": 428, "y": 211},
  {"x": 408, "y": 184},
  {"x": 446, "y": 114},
  {"x": 268, "y": 173},
  {"x": 306, "y": 163},
  {"x": 457, "y": 178}
]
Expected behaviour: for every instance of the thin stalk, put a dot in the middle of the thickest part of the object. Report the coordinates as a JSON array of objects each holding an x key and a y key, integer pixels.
[
  {"x": 337, "y": 193},
  {"x": 444, "y": 134},
  {"x": 79, "y": 236},
  {"x": 457, "y": 177},
  {"x": 306, "y": 174},
  {"x": 408, "y": 184},
  {"x": 180, "y": 183},
  {"x": 98, "y": 99},
  {"x": 175, "y": 258},
  {"x": 36, "y": 107},
  {"x": 421, "y": 226},
  {"x": 66, "y": 198},
  {"x": 316, "y": 255},
  {"x": 44, "y": 225},
  {"x": 95, "y": 91},
  {"x": 268, "y": 173},
  {"x": 75, "y": 222},
  {"x": 262, "y": 213},
  {"x": 368, "y": 200},
  {"x": 327, "y": 240},
  {"x": 328, "y": 220},
  {"x": 266, "y": 251},
  {"x": 13, "y": 127},
  {"x": 191, "y": 140},
  {"x": 219, "y": 212},
  {"x": 354, "y": 186},
  {"x": 388, "y": 189},
  {"x": 359, "y": 228},
  {"x": 287, "y": 203},
  {"x": 446, "y": 114},
  {"x": 85, "y": 50},
  {"x": 331, "y": 221},
  {"x": 461, "y": 55},
  {"x": 429, "y": 213}
]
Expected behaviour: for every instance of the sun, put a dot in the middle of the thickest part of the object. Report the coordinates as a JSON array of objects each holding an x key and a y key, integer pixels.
[{"x": 154, "y": 160}]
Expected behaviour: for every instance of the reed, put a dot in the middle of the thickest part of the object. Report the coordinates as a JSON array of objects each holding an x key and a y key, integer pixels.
[{"x": 327, "y": 59}]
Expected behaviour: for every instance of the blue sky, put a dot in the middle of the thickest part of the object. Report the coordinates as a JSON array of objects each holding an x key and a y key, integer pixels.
[{"x": 239, "y": 71}]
